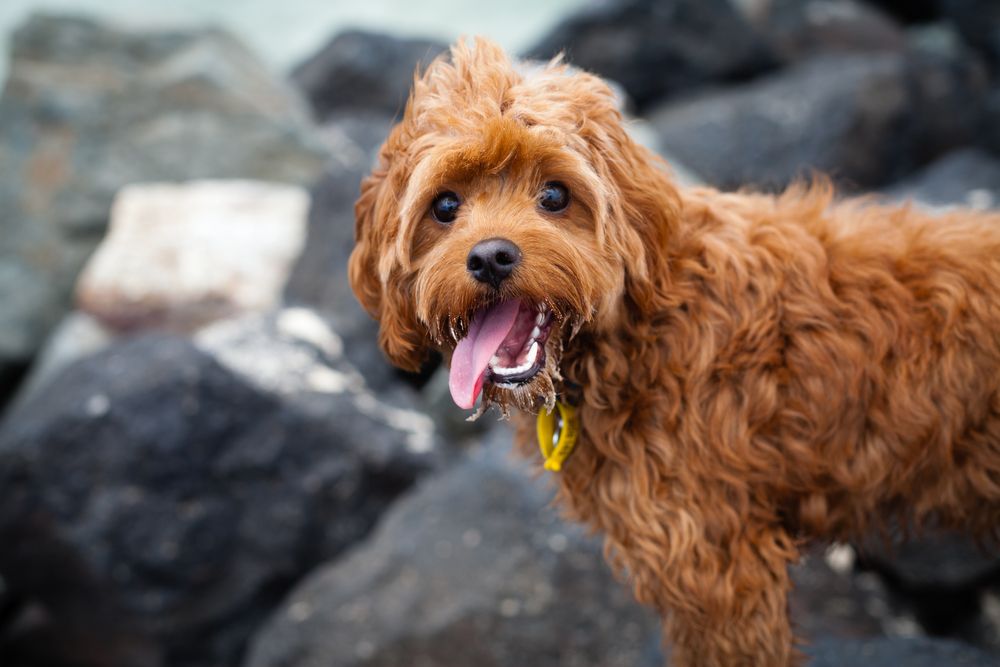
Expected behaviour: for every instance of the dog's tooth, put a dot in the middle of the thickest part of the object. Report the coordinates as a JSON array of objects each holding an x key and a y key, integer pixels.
[
  {"x": 532, "y": 354},
  {"x": 517, "y": 370},
  {"x": 535, "y": 333},
  {"x": 540, "y": 319}
]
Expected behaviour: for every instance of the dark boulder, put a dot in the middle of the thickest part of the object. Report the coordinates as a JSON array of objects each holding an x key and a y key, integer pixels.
[
  {"x": 910, "y": 11},
  {"x": 979, "y": 23},
  {"x": 319, "y": 276},
  {"x": 968, "y": 177},
  {"x": 475, "y": 568},
  {"x": 944, "y": 581},
  {"x": 950, "y": 92},
  {"x": 864, "y": 120},
  {"x": 798, "y": 29},
  {"x": 354, "y": 137},
  {"x": 659, "y": 48},
  {"x": 363, "y": 70},
  {"x": 899, "y": 651},
  {"x": 167, "y": 494},
  {"x": 832, "y": 601}
]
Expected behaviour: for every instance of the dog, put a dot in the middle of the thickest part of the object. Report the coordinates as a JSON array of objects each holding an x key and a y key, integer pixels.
[{"x": 747, "y": 372}]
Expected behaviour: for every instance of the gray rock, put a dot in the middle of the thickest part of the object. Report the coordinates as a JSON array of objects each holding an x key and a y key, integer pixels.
[
  {"x": 991, "y": 137},
  {"x": 87, "y": 109},
  {"x": 168, "y": 493},
  {"x": 475, "y": 568},
  {"x": 319, "y": 276},
  {"x": 943, "y": 581},
  {"x": 968, "y": 177},
  {"x": 363, "y": 70},
  {"x": 354, "y": 137},
  {"x": 659, "y": 48},
  {"x": 950, "y": 93},
  {"x": 453, "y": 422},
  {"x": 984, "y": 631},
  {"x": 831, "y": 601},
  {"x": 910, "y": 11},
  {"x": 78, "y": 335},
  {"x": 865, "y": 120},
  {"x": 798, "y": 29},
  {"x": 979, "y": 23},
  {"x": 897, "y": 651}
]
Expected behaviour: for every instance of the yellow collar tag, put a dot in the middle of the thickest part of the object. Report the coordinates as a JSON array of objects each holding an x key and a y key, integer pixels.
[{"x": 557, "y": 443}]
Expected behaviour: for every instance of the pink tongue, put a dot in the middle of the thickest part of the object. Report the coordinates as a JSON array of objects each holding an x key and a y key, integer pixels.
[{"x": 473, "y": 353}]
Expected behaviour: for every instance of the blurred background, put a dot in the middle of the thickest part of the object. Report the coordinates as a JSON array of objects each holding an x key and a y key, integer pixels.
[{"x": 205, "y": 460}]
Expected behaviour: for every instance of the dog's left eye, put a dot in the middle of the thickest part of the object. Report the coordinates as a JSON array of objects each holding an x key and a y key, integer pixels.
[
  {"x": 553, "y": 197},
  {"x": 444, "y": 208}
]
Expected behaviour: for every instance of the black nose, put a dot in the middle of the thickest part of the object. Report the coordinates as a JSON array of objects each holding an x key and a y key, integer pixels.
[{"x": 492, "y": 260}]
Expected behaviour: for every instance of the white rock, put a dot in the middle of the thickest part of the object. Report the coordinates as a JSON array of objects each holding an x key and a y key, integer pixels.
[{"x": 179, "y": 256}]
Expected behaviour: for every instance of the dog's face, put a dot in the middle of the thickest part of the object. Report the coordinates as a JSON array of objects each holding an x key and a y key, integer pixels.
[{"x": 509, "y": 210}]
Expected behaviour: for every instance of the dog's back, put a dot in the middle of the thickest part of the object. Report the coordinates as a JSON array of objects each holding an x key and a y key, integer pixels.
[{"x": 869, "y": 336}]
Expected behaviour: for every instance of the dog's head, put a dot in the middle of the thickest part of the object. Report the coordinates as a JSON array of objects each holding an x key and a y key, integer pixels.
[{"x": 509, "y": 210}]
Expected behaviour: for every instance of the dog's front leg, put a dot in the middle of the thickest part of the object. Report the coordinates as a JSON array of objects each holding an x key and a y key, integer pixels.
[{"x": 724, "y": 600}]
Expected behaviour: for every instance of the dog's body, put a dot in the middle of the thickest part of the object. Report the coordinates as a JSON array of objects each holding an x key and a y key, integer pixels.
[{"x": 751, "y": 371}]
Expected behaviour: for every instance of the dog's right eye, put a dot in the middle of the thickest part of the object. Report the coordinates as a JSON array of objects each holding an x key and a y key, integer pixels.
[
  {"x": 554, "y": 197},
  {"x": 444, "y": 208}
]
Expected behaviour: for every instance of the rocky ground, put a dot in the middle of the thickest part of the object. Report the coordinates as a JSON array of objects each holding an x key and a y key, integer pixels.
[{"x": 209, "y": 463}]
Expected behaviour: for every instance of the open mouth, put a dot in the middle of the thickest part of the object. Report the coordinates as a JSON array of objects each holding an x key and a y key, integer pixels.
[
  {"x": 505, "y": 346},
  {"x": 522, "y": 353}
]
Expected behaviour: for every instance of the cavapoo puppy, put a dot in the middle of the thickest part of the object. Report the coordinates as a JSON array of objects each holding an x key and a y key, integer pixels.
[{"x": 737, "y": 373}]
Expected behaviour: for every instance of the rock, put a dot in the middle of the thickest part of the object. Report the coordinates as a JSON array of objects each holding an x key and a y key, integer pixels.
[
  {"x": 984, "y": 632},
  {"x": 37, "y": 634},
  {"x": 910, "y": 11},
  {"x": 865, "y": 120},
  {"x": 950, "y": 93},
  {"x": 979, "y": 23},
  {"x": 451, "y": 420},
  {"x": 821, "y": 115},
  {"x": 364, "y": 70},
  {"x": 178, "y": 256},
  {"x": 88, "y": 109},
  {"x": 171, "y": 493},
  {"x": 991, "y": 138},
  {"x": 78, "y": 335},
  {"x": 897, "y": 651},
  {"x": 968, "y": 177},
  {"x": 657, "y": 49},
  {"x": 319, "y": 276},
  {"x": 941, "y": 580},
  {"x": 799, "y": 29},
  {"x": 12, "y": 374},
  {"x": 474, "y": 568},
  {"x": 354, "y": 137},
  {"x": 831, "y": 601}
]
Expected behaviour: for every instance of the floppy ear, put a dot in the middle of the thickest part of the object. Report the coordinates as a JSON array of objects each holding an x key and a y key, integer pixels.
[
  {"x": 643, "y": 206},
  {"x": 381, "y": 287}
]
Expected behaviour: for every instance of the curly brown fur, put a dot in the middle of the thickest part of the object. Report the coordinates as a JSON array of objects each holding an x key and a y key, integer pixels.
[{"x": 753, "y": 370}]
